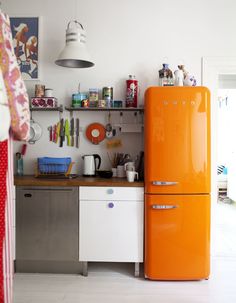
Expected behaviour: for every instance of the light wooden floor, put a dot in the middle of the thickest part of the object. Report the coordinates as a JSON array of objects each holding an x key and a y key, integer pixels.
[{"x": 107, "y": 283}]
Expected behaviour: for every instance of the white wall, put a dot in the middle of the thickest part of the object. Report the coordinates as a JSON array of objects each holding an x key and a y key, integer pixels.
[{"x": 123, "y": 37}]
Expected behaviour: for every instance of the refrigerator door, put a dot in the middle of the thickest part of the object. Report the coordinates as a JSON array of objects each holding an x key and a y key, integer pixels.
[
  {"x": 177, "y": 140},
  {"x": 177, "y": 237}
]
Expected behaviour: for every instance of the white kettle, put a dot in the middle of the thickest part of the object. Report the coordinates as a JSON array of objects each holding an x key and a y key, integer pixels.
[{"x": 90, "y": 165}]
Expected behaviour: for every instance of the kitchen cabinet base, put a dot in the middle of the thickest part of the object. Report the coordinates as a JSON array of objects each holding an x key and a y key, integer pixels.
[
  {"x": 58, "y": 267},
  {"x": 85, "y": 269},
  {"x": 136, "y": 269}
]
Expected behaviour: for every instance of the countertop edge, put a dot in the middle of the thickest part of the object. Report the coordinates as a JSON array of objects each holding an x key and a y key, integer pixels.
[{"x": 30, "y": 180}]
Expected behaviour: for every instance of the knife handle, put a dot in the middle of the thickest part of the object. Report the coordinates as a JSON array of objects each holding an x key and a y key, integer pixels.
[
  {"x": 61, "y": 141},
  {"x": 68, "y": 140}
]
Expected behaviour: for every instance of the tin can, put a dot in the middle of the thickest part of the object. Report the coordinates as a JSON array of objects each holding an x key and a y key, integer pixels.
[
  {"x": 107, "y": 93},
  {"x": 117, "y": 103},
  {"x": 131, "y": 92},
  {"x": 39, "y": 90},
  {"x": 48, "y": 92},
  {"x": 77, "y": 99},
  {"x": 93, "y": 97}
]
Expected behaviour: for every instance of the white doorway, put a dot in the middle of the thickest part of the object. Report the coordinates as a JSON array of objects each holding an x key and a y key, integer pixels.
[{"x": 219, "y": 75}]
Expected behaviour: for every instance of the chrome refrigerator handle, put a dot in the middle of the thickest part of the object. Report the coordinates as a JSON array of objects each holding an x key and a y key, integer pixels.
[
  {"x": 160, "y": 183},
  {"x": 163, "y": 207}
]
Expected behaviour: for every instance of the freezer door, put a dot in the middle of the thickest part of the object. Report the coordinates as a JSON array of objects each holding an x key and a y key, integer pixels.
[
  {"x": 177, "y": 140},
  {"x": 177, "y": 237}
]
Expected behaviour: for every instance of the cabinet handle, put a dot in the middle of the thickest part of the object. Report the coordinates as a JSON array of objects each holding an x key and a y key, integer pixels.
[
  {"x": 163, "y": 207},
  {"x": 164, "y": 183},
  {"x": 111, "y": 205},
  {"x": 110, "y": 191},
  {"x": 28, "y": 195}
]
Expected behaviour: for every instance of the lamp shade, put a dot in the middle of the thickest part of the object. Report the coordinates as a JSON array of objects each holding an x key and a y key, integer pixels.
[{"x": 75, "y": 54}]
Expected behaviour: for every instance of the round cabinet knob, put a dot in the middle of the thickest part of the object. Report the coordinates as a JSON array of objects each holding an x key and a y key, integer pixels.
[
  {"x": 110, "y": 205},
  {"x": 110, "y": 191}
]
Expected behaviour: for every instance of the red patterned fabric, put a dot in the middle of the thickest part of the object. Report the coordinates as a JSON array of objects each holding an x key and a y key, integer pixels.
[
  {"x": 3, "y": 171},
  {"x": 16, "y": 91},
  {"x": 8, "y": 243}
]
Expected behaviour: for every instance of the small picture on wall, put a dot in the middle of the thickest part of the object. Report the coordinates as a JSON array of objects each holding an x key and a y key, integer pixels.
[{"x": 25, "y": 34}]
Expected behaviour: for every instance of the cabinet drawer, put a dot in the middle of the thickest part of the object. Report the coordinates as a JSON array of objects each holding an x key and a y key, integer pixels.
[{"x": 111, "y": 193}]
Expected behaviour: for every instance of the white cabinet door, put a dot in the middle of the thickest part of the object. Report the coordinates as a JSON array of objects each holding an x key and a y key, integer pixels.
[{"x": 111, "y": 231}]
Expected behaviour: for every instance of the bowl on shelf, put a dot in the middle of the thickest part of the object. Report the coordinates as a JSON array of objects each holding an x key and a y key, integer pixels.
[{"x": 105, "y": 173}]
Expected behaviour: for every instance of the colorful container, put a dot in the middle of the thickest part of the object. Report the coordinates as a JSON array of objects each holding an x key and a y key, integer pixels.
[
  {"x": 131, "y": 92},
  {"x": 39, "y": 90},
  {"x": 93, "y": 97},
  {"x": 107, "y": 95},
  {"x": 77, "y": 99}
]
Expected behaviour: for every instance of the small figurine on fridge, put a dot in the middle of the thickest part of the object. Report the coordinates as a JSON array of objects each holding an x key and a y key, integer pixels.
[
  {"x": 183, "y": 78},
  {"x": 166, "y": 76},
  {"x": 179, "y": 76}
]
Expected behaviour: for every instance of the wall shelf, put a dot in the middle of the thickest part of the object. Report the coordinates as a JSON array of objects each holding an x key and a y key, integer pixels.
[
  {"x": 47, "y": 109},
  {"x": 118, "y": 109}
]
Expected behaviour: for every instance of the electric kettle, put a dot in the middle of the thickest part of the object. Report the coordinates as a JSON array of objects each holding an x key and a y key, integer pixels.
[{"x": 91, "y": 165}]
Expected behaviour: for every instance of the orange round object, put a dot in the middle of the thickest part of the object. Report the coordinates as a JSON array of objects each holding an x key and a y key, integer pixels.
[{"x": 95, "y": 133}]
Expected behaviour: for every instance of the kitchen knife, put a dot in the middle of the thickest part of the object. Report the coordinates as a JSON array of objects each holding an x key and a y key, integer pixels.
[
  {"x": 58, "y": 131},
  {"x": 72, "y": 131},
  {"x": 50, "y": 133},
  {"x": 77, "y": 132},
  {"x": 62, "y": 132},
  {"x": 67, "y": 131},
  {"x": 54, "y": 133}
]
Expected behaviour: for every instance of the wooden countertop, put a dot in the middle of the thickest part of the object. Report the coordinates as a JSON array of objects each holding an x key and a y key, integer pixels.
[{"x": 29, "y": 180}]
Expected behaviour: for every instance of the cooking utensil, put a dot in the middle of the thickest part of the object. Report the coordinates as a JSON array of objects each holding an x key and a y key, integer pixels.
[
  {"x": 77, "y": 132},
  {"x": 109, "y": 134},
  {"x": 62, "y": 132},
  {"x": 95, "y": 133},
  {"x": 67, "y": 131},
  {"x": 58, "y": 131},
  {"x": 105, "y": 173},
  {"x": 50, "y": 133},
  {"x": 72, "y": 131},
  {"x": 108, "y": 127},
  {"x": 35, "y": 132},
  {"x": 114, "y": 143},
  {"x": 54, "y": 133}
]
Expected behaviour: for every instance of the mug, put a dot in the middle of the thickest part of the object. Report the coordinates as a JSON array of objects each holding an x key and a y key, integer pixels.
[
  {"x": 129, "y": 166},
  {"x": 131, "y": 175},
  {"x": 120, "y": 171},
  {"x": 114, "y": 172}
]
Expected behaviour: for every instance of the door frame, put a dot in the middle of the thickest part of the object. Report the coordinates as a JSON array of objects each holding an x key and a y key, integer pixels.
[{"x": 212, "y": 67}]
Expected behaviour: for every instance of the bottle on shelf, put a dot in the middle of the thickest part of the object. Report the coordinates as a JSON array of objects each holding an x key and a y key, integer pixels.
[{"x": 131, "y": 92}]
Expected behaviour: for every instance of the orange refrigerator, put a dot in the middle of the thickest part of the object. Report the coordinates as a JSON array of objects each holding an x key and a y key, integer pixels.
[{"x": 177, "y": 183}]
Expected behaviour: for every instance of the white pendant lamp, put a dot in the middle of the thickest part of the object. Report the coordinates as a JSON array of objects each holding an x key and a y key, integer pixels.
[{"x": 75, "y": 54}]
